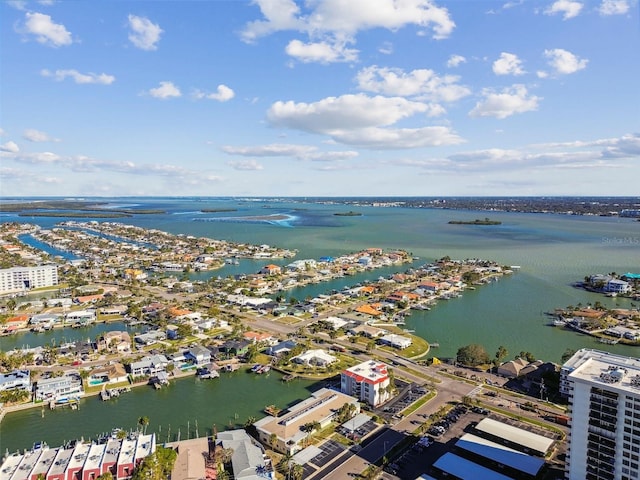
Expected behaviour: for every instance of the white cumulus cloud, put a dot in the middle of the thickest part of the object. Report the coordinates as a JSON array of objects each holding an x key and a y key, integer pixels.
[
  {"x": 332, "y": 24},
  {"x": 455, "y": 60},
  {"x": 101, "y": 78},
  {"x": 46, "y": 31},
  {"x": 321, "y": 52},
  {"x": 37, "y": 136},
  {"x": 144, "y": 33},
  {"x": 344, "y": 112},
  {"x": 564, "y": 62},
  {"x": 511, "y": 100},
  {"x": 9, "y": 147},
  {"x": 568, "y": 8},
  {"x": 222, "y": 94},
  {"x": 361, "y": 120},
  {"x": 165, "y": 90},
  {"x": 423, "y": 82},
  {"x": 508, "y": 64},
  {"x": 614, "y": 7}
]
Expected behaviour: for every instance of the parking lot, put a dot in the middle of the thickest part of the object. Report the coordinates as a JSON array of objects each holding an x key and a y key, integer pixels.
[
  {"x": 360, "y": 432},
  {"x": 409, "y": 393},
  {"x": 416, "y": 460}
]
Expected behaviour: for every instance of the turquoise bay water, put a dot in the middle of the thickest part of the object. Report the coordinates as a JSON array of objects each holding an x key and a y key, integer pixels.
[{"x": 553, "y": 251}]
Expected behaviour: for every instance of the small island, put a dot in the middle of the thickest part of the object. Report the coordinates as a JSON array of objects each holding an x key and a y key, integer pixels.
[
  {"x": 218, "y": 210},
  {"x": 350, "y": 213},
  {"x": 477, "y": 221}
]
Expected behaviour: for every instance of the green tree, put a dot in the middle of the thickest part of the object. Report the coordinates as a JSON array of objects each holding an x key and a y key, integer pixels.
[
  {"x": 528, "y": 356},
  {"x": 105, "y": 476},
  {"x": 156, "y": 466},
  {"x": 184, "y": 330},
  {"x": 296, "y": 472},
  {"x": 143, "y": 422},
  {"x": 472, "y": 355},
  {"x": 252, "y": 353},
  {"x": 502, "y": 353}
]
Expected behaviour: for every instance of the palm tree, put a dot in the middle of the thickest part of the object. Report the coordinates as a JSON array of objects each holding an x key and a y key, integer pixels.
[
  {"x": 143, "y": 422},
  {"x": 296, "y": 472}
]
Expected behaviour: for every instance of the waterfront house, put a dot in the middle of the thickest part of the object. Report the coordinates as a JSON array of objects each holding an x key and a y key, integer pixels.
[
  {"x": 190, "y": 463},
  {"x": 235, "y": 347},
  {"x": 43, "y": 464},
  {"x": 177, "y": 359},
  {"x": 396, "y": 341},
  {"x": 16, "y": 323},
  {"x": 428, "y": 286},
  {"x": 301, "y": 265},
  {"x": 126, "y": 457},
  {"x": 114, "y": 310},
  {"x": 15, "y": 380},
  {"x": 113, "y": 373},
  {"x": 198, "y": 355},
  {"x": 367, "y": 331},
  {"x": 367, "y": 381},
  {"x": 617, "y": 286},
  {"x": 270, "y": 269},
  {"x": 45, "y": 319},
  {"x": 66, "y": 387},
  {"x": 281, "y": 348},
  {"x": 92, "y": 465},
  {"x": 81, "y": 317},
  {"x": 77, "y": 461},
  {"x": 315, "y": 358},
  {"x": 248, "y": 460},
  {"x": 149, "y": 365},
  {"x": 285, "y": 433},
  {"x": 115, "y": 341}
]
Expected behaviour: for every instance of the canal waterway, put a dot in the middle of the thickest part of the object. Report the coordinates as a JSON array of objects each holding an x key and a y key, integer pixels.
[
  {"x": 553, "y": 252},
  {"x": 58, "y": 336},
  {"x": 54, "y": 252},
  {"x": 187, "y": 403}
]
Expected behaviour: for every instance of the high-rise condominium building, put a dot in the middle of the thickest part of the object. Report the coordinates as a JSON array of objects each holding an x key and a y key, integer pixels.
[{"x": 604, "y": 397}]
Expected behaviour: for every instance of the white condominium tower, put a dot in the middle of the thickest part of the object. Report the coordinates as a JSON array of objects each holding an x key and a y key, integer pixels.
[
  {"x": 604, "y": 397},
  {"x": 20, "y": 279}
]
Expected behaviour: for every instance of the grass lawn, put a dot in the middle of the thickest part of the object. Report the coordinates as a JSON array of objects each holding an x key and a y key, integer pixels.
[{"x": 288, "y": 320}]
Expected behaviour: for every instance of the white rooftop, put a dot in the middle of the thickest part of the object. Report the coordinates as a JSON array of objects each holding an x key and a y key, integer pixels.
[
  {"x": 370, "y": 370},
  {"x": 617, "y": 372},
  {"x": 515, "y": 435}
]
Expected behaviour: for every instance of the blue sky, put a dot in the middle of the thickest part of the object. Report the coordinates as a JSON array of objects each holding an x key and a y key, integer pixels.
[{"x": 319, "y": 97}]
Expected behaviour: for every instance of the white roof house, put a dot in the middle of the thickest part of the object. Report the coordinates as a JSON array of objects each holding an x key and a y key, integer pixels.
[
  {"x": 316, "y": 357},
  {"x": 396, "y": 341}
]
